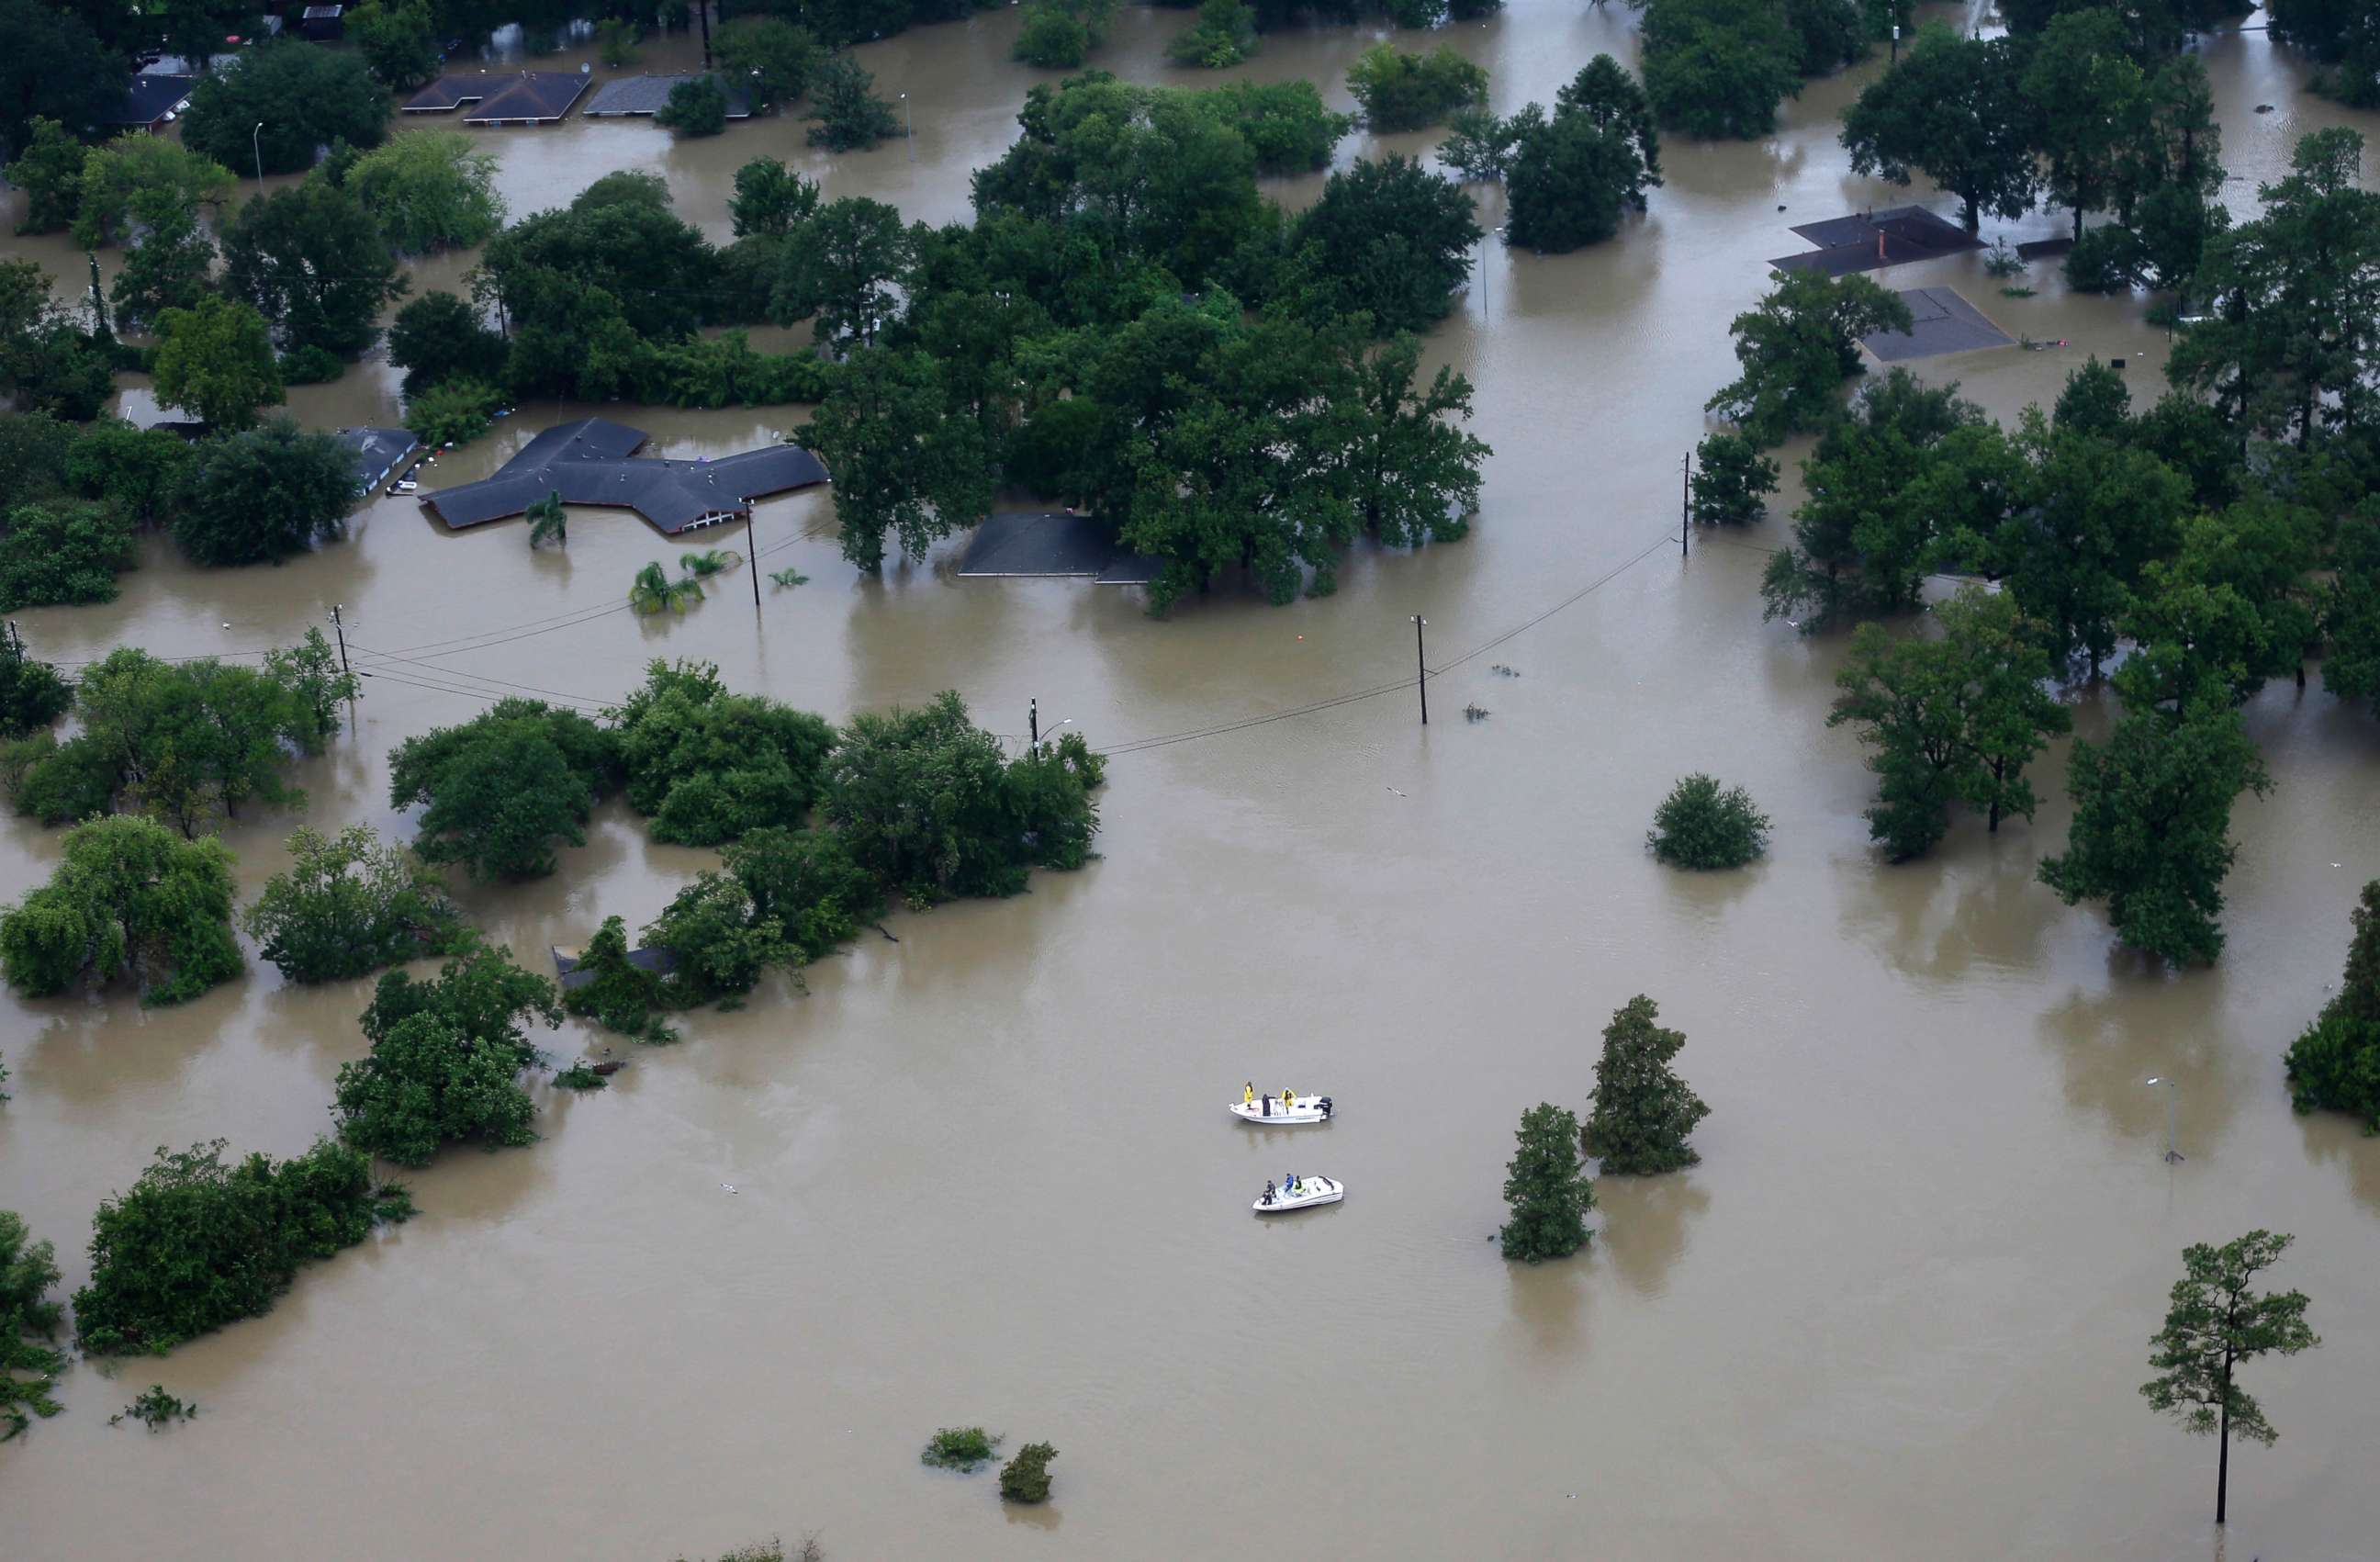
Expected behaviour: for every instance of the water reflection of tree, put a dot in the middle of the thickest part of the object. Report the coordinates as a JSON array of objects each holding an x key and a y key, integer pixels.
[
  {"x": 1549, "y": 1302},
  {"x": 2114, "y": 1042},
  {"x": 2335, "y": 1136},
  {"x": 1934, "y": 919},
  {"x": 1645, "y": 1222}
]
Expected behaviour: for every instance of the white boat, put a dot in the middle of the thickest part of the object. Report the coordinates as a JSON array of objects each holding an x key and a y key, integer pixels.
[
  {"x": 1271, "y": 1110},
  {"x": 1303, "y": 1194}
]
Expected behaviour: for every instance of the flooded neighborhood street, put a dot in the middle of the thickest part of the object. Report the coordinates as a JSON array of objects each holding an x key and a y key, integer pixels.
[{"x": 985, "y": 1174}]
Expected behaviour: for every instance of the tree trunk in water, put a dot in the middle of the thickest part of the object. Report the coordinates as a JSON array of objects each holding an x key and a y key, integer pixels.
[{"x": 2223, "y": 1459}]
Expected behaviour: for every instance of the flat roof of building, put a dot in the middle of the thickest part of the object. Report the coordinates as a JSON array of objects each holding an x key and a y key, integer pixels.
[{"x": 590, "y": 462}]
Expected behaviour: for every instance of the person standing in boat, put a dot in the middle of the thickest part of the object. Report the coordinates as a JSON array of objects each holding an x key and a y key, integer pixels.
[
  {"x": 1248, "y": 1094},
  {"x": 1267, "y": 1198},
  {"x": 1288, "y": 1102}
]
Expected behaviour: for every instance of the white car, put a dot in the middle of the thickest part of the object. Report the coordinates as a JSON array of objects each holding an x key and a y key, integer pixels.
[{"x": 404, "y": 485}]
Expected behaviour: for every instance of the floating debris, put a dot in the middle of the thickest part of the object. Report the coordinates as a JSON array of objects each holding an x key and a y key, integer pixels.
[{"x": 1474, "y": 713}]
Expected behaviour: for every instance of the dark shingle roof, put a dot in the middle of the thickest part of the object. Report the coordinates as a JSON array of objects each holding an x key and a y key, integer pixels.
[
  {"x": 589, "y": 463},
  {"x": 151, "y": 98},
  {"x": 377, "y": 451},
  {"x": 501, "y": 96},
  {"x": 645, "y": 95}
]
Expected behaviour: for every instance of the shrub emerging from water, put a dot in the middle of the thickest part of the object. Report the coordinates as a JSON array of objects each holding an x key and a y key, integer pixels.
[
  {"x": 580, "y": 1075},
  {"x": 1224, "y": 35},
  {"x": 2336, "y": 1064},
  {"x": 960, "y": 1447},
  {"x": 696, "y": 107},
  {"x": 708, "y": 765},
  {"x": 452, "y": 412},
  {"x": 618, "y": 994},
  {"x": 349, "y": 905},
  {"x": 1547, "y": 1187},
  {"x": 503, "y": 789},
  {"x": 1700, "y": 824},
  {"x": 1026, "y": 1478},
  {"x": 129, "y": 898},
  {"x": 156, "y": 1409},
  {"x": 1643, "y": 1111},
  {"x": 197, "y": 1244},
  {"x": 30, "y": 1365},
  {"x": 1402, "y": 91}
]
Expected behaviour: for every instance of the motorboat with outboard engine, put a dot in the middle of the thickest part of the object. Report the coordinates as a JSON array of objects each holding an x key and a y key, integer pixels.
[
  {"x": 1299, "y": 1193},
  {"x": 1272, "y": 1110}
]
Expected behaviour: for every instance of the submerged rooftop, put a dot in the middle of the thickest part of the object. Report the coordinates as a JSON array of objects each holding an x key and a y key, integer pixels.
[{"x": 592, "y": 462}]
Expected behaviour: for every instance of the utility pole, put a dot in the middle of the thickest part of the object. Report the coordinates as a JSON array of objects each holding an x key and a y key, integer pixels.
[
  {"x": 1685, "y": 501},
  {"x": 2172, "y": 1091},
  {"x": 1896, "y": 44},
  {"x": 702, "y": 10},
  {"x": 753, "y": 550},
  {"x": 98, "y": 301},
  {"x": 908, "y": 127},
  {"x": 1421, "y": 669},
  {"x": 256, "y": 145},
  {"x": 341, "y": 630},
  {"x": 1033, "y": 723}
]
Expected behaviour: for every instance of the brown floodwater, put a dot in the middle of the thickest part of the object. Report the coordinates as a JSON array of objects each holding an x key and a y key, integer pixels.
[{"x": 984, "y": 1173}]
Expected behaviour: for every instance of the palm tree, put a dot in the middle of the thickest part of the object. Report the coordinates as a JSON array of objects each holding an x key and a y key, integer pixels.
[
  {"x": 547, "y": 522},
  {"x": 710, "y": 562},
  {"x": 654, "y": 591}
]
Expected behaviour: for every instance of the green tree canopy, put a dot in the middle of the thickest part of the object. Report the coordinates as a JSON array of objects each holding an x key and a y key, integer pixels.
[
  {"x": 305, "y": 96},
  {"x": 2214, "y": 1324},
  {"x": 1797, "y": 347},
  {"x": 313, "y": 262},
  {"x": 1643, "y": 1111},
  {"x": 348, "y": 905},
  {"x": 1388, "y": 240},
  {"x": 437, "y": 338},
  {"x": 841, "y": 269},
  {"x": 49, "y": 170},
  {"x": 1718, "y": 68},
  {"x": 478, "y": 994},
  {"x": 1405, "y": 91},
  {"x": 33, "y": 695},
  {"x": 63, "y": 551},
  {"x": 400, "y": 41},
  {"x": 1547, "y": 1189},
  {"x": 55, "y": 67},
  {"x": 848, "y": 115},
  {"x": 696, "y": 106},
  {"x": 502, "y": 790},
  {"x": 1701, "y": 824},
  {"x": 2153, "y": 818},
  {"x": 429, "y": 190},
  {"x": 197, "y": 1244},
  {"x": 1729, "y": 481},
  {"x": 29, "y": 1363},
  {"x": 773, "y": 58},
  {"x": 903, "y": 463},
  {"x": 216, "y": 359},
  {"x": 1952, "y": 110},
  {"x": 143, "y": 178},
  {"x": 709, "y": 766},
  {"x": 425, "y": 1084},
  {"x": 808, "y": 883},
  {"x": 2334, "y": 1063},
  {"x": 262, "y": 496},
  {"x": 128, "y": 897},
  {"x": 771, "y": 200}
]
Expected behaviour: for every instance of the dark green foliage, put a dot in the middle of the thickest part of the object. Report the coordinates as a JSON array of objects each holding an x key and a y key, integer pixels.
[
  {"x": 52, "y": 365},
  {"x": 57, "y": 66},
  {"x": 178, "y": 740},
  {"x": 548, "y": 521},
  {"x": 62, "y": 551},
  {"x": 2235, "y": 603},
  {"x": 128, "y": 897},
  {"x": 2351, "y": 617},
  {"x": 902, "y": 464},
  {"x": 1643, "y": 1111},
  {"x": 1391, "y": 240},
  {"x": 1718, "y": 68},
  {"x": 426, "y": 1083},
  {"x": 314, "y": 263},
  {"x": 2153, "y": 816},
  {"x": 478, "y": 994},
  {"x": 33, "y": 695},
  {"x": 146, "y": 180},
  {"x": 49, "y": 170},
  {"x": 2095, "y": 514},
  {"x": 960, "y": 1447},
  {"x": 1285, "y": 124},
  {"x": 2108, "y": 258},
  {"x": 310, "y": 366},
  {"x": 262, "y": 496},
  {"x": 197, "y": 1244},
  {"x": 696, "y": 107},
  {"x": 616, "y": 993},
  {"x": 1479, "y": 145},
  {"x": 806, "y": 883},
  {"x": 215, "y": 358},
  {"x": 709, "y": 766},
  {"x": 438, "y": 337},
  {"x": 771, "y": 200},
  {"x": 2213, "y": 1325},
  {"x": 840, "y": 267},
  {"x": 169, "y": 266},
  {"x": 348, "y": 905},
  {"x": 505, "y": 789},
  {"x": 2088, "y": 93},
  {"x": 1224, "y": 35},
  {"x": 1026, "y": 1478},
  {"x": 1402, "y": 91},
  {"x": 579, "y": 1076},
  {"x": 398, "y": 40},
  {"x": 771, "y": 58},
  {"x": 156, "y": 1408},
  {"x": 304, "y": 95},
  {"x": 1414, "y": 470},
  {"x": 1953, "y": 719},
  {"x": 1568, "y": 184},
  {"x": 1700, "y": 824},
  {"x": 2345, "y": 35},
  {"x": 1951, "y": 110},
  {"x": 719, "y": 943},
  {"x": 848, "y": 115},
  {"x": 1058, "y": 33},
  {"x": 1729, "y": 481},
  {"x": 138, "y": 472},
  {"x": 452, "y": 412},
  {"x": 1829, "y": 34},
  {"x": 1797, "y": 347},
  {"x": 1548, "y": 1188},
  {"x": 29, "y": 1363},
  {"x": 2334, "y": 1064},
  {"x": 923, "y": 802}
]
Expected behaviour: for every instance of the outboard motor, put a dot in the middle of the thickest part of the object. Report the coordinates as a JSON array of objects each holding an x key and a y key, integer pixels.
[{"x": 1326, "y": 1106}]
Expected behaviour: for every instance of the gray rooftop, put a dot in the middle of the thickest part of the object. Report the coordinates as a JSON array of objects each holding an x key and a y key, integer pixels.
[
  {"x": 590, "y": 462},
  {"x": 627, "y": 95},
  {"x": 1872, "y": 240},
  {"x": 151, "y": 98},
  {"x": 502, "y": 97},
  {"x": 377, "y": 452},
  {"x": 1027, "y": 545},
  {"x": 1941, "y": 322}
]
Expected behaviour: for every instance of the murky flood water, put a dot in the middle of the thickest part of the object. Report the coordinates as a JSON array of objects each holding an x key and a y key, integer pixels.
[{"x": 1899, "y": 1310}]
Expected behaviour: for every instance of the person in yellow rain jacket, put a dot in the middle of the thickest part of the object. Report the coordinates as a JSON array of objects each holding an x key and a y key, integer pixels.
[
  {"x": 1248, "y": 1094},
  {"x": 1287, "y": 1100}
]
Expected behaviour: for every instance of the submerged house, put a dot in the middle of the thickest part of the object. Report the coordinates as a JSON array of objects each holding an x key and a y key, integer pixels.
[
  {"x": 518, "y": 97},
  {"x": 593, "y": 461}
]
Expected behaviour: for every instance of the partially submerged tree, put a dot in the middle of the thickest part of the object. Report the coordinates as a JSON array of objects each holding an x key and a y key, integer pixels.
[
  {"x": 348, "y": 905},
  {"x": 709, "y": 766},
  {"x": 1701, "y": 824},
  {"x": 266, "y": 494},
  {"x": 426, "y": 1084},
  {"x": 215, "y": 358},
  {"x": 29, "y": 1363},
  {"x": 848, "y": 116},
  {"x": 502, "y": 790},
  {"x": 1643, "y": 1111},
  {"x": 1952, "y": 110},
  {"x": 1547, "y": 1189},
  {"x": 2334, "y": 1064},
  {"x": 128, "y": 897},
  {"x": 1797, "y": 346},
  {"x": 1026, "y": 1478},
  {"x": 1731, "y": 481},
  {"x": 2215, "y": 1324}
]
